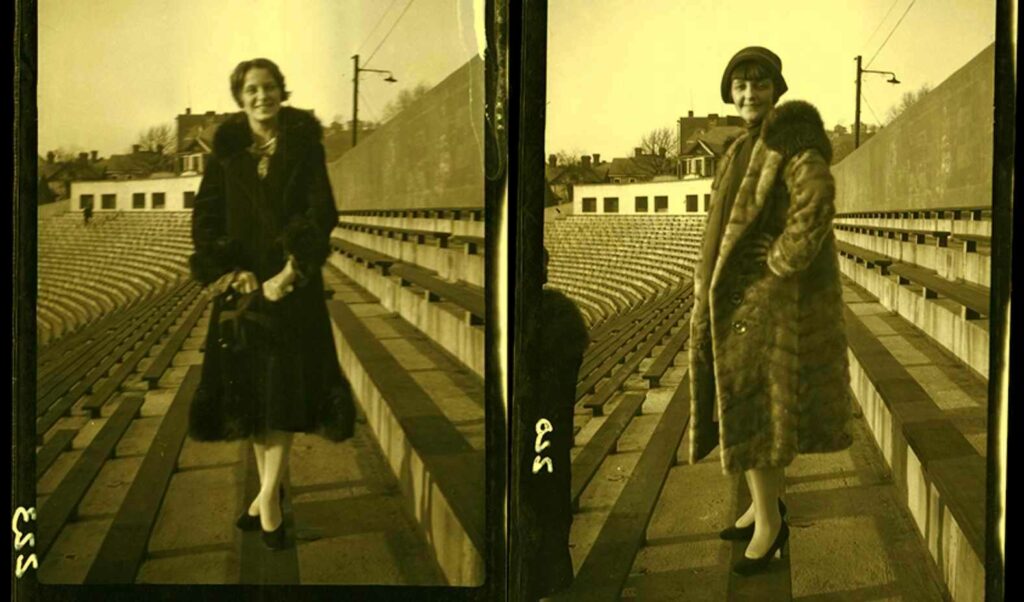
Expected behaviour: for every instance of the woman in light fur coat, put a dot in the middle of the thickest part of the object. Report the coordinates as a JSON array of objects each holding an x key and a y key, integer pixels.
[{"x": 768, "y": 366}]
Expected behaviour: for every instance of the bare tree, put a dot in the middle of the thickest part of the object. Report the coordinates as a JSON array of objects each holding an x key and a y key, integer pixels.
[
  {"x": 568, "y": 158},
  {"x": 404, "y": 100},
  {"x": 908, "y": 100},
  {"x": 158, "y": 137},
  {"x": 663, "y": 145}
]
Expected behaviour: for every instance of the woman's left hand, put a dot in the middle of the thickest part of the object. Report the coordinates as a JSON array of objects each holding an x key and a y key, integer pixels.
[{"x": 280, "y": 285}]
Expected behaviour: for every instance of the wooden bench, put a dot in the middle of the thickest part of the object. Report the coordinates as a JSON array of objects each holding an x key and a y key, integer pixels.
[
  {"x": 61, "y": 505},
  {"x": 460, "y": 294},
  {"x": 870, "y": 259},
  {"x": 99, "y": 396},
  {"x": 363, "y": 255},
  {"x": 955, "y": 468},
  {"x": 48, "y": 453},
  {"x": 403, "y": 234},
  {"x": 124, "y": 547},
  {"x": 972, "y": 241},
  {"x": 974, "y": 300},
  {"x": 449, "y": 459},
  {"x": 587, "y": 462},
  {"x": 667, "y": 356},
  {"x": 904, "y": 234},
  {"x": 163, "y": 360},
  {"x": 474, "y": 244},
  {"x": 55, "y": 403},
  {"x": 607, "y": 566},
  {"x": 605, "y": 392}
]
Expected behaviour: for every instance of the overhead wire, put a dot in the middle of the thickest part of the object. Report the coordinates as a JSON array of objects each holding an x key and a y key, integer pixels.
[
  {"x": 376, "y": 25},
  {"x": 892, "y": 31},
  {"x": 388, "y": 34},
  {"x": 879, "y": 26}
]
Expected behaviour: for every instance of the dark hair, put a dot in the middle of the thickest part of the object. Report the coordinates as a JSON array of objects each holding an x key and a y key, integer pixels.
[
  {"x": 238, "y": 77},
  {"x": 750, "y": 70},
  {"x": 754, "y": 71}
]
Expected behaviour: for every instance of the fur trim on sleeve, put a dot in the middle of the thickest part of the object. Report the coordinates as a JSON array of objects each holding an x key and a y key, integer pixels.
[
  {"x": 304, "y": 241},
  {"x": 212, "y": 261},
  {"x": 796, "y": 126}
]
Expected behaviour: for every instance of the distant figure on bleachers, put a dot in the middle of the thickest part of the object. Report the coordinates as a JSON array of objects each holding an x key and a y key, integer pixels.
[
  {"x": 547, "y": 434},
  {"x": 87, "y": 213},
  {"x": 261, "y": 223},
  {"x": 768, "y": 365}
]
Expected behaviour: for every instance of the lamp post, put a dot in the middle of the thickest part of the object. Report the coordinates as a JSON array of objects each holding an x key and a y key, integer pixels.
[
  {"x": 856, "y": 120},
  {"x": 355, "y": 92}
]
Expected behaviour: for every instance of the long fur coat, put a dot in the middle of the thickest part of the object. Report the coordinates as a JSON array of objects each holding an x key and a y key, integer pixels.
[
  {"x": 768, "y": 366},
  {"x": 291, "y": 380}
]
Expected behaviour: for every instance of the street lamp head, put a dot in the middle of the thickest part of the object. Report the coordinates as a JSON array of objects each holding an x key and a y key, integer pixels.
[
  {"x": 390, "y": 79},
  {"x": 893, "y": 80}
]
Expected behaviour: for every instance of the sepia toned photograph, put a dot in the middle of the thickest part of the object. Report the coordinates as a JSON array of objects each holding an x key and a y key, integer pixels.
[
  {"x": 768, "y": 275},
  {"x": 260, "y": 309}
]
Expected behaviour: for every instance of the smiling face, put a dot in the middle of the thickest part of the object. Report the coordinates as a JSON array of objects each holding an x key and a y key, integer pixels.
[
  {"x": 753, "y": 98},
  {"x": 261, "y": 96}
]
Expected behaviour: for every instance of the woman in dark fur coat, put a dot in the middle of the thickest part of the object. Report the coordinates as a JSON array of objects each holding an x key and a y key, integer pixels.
[
  {"x": 261, "y": 226},
  {"x": 768, "y": 365}
]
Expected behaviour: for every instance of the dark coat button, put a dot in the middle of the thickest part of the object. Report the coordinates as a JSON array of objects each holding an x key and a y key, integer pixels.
[
  {"x": 740, "y": 327},
  {"x": 736, "y": 298}
]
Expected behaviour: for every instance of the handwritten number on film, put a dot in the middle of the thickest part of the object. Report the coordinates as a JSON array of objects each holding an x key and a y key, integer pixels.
[
  {"x": 543, "y": 428},
  {"x": 23, "y": 539}
]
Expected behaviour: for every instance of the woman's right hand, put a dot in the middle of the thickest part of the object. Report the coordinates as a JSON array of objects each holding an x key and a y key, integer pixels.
[{"x": 245, "y": 283}]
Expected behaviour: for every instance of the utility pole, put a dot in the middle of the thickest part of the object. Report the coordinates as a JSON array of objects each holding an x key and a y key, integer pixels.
[
  {"x": 356, "y": 70},
  {"x": 355, "y": 98},
  {"x": 856, "y": 119}
]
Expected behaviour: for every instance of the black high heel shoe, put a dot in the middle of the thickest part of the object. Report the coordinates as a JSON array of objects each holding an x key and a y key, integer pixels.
[
  {"x": 247, "y": 522},
  {"x": 749, "y": 566},
  {"x": 275, "y": 540},
  {"x": 741, "y": 533}
]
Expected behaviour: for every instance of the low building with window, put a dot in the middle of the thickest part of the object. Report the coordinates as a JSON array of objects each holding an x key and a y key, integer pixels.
[
  {"x": 150, "y": 194},
  {"x": 669, "y": 197}
]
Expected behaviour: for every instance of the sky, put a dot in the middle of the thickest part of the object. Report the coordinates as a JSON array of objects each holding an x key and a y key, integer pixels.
[
  {"x": 109, "y": 69},
  {"x": 617, "y": 69}
]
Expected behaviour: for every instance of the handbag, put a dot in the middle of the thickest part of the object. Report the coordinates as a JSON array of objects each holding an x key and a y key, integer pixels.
[{"x": 242, "y": 322}]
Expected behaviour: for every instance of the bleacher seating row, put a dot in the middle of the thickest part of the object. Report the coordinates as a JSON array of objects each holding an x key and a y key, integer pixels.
[
  {"x": 86, "y": 271},
  {"x": 610, "y": 265}
]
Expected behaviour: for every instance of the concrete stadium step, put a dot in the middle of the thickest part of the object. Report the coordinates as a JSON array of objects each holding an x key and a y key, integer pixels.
[
  {"x": 850, "y": 537},
  {"x": 927, "y": 413},
  {"x": 426, "y": 410}
]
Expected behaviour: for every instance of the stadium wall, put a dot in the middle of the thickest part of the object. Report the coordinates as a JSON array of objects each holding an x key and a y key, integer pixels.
[
  {"x": 173, "y": 189},
  {"x": 938, "y": 153},
  {"x": 430, "y": 155},
  {"x": 675, "y": 190}
]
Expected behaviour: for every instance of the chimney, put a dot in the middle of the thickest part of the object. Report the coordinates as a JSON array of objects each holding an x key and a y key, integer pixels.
[
  {"x": 553, "y": 160},
  {"x": 160, "y": 149},
  {"x": 597, "y": 158},
  {"x": 188, "y": 110},
  {"x": 586, "y": 160},
  {"x": 135, "y": 148},
  {"x": 50, "y": 156},
  {"x": 83, "y": 157},
  {"x": 712, "y": 119},
  {"x": 94, "y": 156},
  {"x": 689, "y": 113},
  {"x": 661, "y": 152},
  {"x": 211, "y": 113},
  {"x": 638, "y": 152}
]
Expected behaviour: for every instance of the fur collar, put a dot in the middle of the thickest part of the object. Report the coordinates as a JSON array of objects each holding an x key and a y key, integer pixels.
[
  {"x": 297, "y": 128},
  {"x": 795, "y": 126}
]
